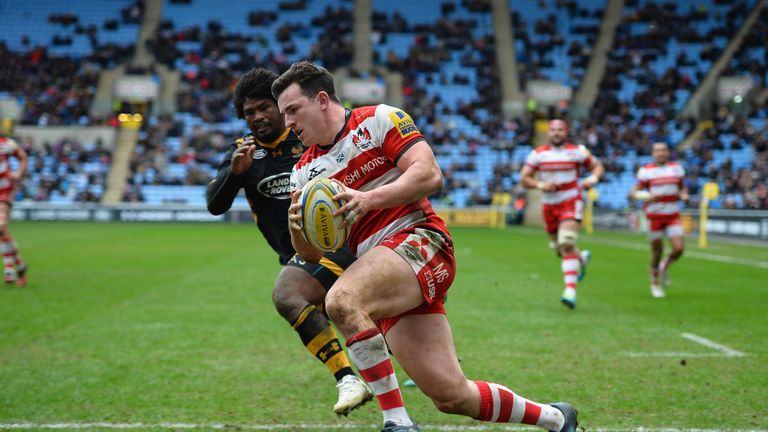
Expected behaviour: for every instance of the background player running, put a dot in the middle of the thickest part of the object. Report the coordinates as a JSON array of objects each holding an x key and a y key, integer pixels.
[
  {"x": 660, "y": 185},
  {"x": 560, "y": 164}
]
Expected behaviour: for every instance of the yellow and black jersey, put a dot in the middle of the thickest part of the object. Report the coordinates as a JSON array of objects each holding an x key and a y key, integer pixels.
[{"x": 267, "y": 188}]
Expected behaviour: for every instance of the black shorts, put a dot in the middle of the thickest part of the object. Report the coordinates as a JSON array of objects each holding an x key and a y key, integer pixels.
[{"x": 331, "y": 266}]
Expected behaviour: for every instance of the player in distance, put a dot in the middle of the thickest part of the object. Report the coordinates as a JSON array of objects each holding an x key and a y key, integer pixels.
[
  {"x": 560, "y": 164},
  {"x": 14, "y": 267},
  {"x": 660, "y": 186},
  {"x": 261, "y": 163},
  {"x": 393, "y": 295}
]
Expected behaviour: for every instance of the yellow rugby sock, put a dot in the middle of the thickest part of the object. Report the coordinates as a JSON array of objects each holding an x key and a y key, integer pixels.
[{"x": 321, "y": 341}]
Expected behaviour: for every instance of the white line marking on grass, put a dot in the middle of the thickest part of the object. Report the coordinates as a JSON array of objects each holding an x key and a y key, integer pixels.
[
  {"x": 688, "y": 253},
  {"x": 727, "y": 351},
  {"x": 670, "y": 354},
  {"x": 305, "y": 426}
]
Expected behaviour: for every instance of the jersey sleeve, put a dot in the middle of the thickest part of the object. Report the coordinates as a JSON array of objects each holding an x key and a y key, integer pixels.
[
  {"x": 588, "y": 159},
  {"x": 297, "y": 179},
  {"x": 395, "y": 131},
  {"x": 532, "y": 161},
  {"x": 222, "y": 190},
  {"x": 642, "y": 178}
]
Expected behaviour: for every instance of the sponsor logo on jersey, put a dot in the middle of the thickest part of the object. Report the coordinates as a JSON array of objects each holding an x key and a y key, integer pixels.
[
  {"x": 315, "y": 171},
  {"x": 363, "y": 170},
  {"x": 404, "y": 123},
  {"x": 276, "y": 186},
  {"x": 259, "y": 154}
]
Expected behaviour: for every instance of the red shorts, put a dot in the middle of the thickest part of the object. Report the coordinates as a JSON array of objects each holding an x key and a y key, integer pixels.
[
  {"x": 661, "y": 226},
  {"x": 566, "y": 210},
  {"x": 432, "y": 258}
]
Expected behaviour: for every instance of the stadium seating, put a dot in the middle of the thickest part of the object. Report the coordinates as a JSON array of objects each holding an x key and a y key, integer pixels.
[
  {"x": 446, "y": 54},
  {"x": 553, "y": 38}
]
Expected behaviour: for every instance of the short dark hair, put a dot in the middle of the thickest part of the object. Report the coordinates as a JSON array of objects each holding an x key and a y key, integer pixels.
[
  {"x": 312, "y": 79},
  {"x": 256, "y": 83}
]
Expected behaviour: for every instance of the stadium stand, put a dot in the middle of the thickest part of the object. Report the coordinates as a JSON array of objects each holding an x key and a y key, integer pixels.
[
  {"x": 52, "y": 53},
  {"x": 553, "y": 39},
  {"x": 65, "y": 172},
  {"x": 444, "y": 51}
]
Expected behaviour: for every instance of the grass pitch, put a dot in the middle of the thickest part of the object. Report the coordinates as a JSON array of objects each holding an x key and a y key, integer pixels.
[{"x": 157, "y": 323}]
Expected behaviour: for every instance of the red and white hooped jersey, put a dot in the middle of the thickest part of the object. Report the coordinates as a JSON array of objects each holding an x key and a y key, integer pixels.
[
  {"x": 561, "y": 166},
  {"x": 7, "y": 149},
  {"x": 667, "y": 182},
  {"x": 364, "y": 157}
]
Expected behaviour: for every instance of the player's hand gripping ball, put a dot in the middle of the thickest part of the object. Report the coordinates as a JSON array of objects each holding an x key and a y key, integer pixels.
[{"x": 320, "y": 227}]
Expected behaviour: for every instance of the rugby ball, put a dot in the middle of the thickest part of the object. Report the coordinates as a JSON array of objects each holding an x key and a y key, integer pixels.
[{"x": 320, "y": 227}]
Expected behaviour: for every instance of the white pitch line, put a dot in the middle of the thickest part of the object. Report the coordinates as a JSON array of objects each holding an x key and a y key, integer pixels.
[
  {"x": 728, "y": 351},
  {"x": 305, "y": 426},
  {"x": 670, "y": 354},
  {"x": 688, "y": 253}
]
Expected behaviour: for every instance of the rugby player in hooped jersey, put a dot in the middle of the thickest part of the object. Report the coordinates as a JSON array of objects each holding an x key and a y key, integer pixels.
[
  {"x": 261, "y": 163},
  {"x": 392, "y": 295},
  {"x": 660, "y": 185},
  {"x": 14, "y": 267},
  {"x": 559, "y": 164}
]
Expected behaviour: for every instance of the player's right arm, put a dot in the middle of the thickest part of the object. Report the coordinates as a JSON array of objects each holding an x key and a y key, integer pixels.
[
  {"x": 527, "y": 178},
  {"x": 223, "y": 189},
  {"x": 300, "y": 244},
  {"x": 21, "y": 155},
  {"x": 639, "y": 190}
]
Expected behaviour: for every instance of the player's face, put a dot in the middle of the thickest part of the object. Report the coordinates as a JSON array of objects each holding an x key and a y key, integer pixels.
[
  {"x": 557, "y": 134},
  {"x": 263, "y": 118},
  {"x": 303, "y": 115},
  {"x": 660, "y": 153}
]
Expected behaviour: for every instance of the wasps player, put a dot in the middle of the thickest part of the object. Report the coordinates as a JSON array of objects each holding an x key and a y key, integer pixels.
[{"x": 261, "y": 163}]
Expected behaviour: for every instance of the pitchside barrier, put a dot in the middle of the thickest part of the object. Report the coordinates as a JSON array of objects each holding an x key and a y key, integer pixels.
[{"x": 747, "y": 224}]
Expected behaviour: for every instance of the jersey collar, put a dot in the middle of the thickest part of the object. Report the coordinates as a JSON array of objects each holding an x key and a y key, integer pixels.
[{"x": 277, "y": 141}]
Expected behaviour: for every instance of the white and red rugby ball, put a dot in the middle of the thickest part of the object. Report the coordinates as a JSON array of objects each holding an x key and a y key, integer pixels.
[{"x": 320, "y": 227}]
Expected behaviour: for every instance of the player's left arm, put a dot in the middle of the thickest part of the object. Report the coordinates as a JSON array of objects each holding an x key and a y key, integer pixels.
[
  {"x": 596, "y": 171},
  {"x": 23, "y": 158},
  {"x": 684, "y": 189},
  {"x": 421, "y": 177}
]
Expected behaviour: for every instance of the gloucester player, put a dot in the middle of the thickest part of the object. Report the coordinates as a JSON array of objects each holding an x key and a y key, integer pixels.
[
  {"x": 660, "y": 186},
  {"x": 560, "y": 164},
  {"x": 392, "y": 296}
]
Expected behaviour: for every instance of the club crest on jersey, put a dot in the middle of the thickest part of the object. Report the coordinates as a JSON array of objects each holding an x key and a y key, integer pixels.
[
  {"x": 259, "y": 154},
  {"x": 362, "y": 138},
  {"x": 404, "y": 123}
]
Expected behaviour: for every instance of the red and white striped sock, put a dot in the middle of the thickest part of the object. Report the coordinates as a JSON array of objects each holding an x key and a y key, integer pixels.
[
  {"x": 14, "y": 251},
  {"x": 368, "y": 352},
  {"x": 499, "y": 404},
  {"x": 571, "y": 265},
  {"x": 654, "y": 271},
  {"x": 9, "y": 262}
]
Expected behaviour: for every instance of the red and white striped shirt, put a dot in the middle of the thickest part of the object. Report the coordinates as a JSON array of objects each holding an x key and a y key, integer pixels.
[
  {"x": 365, "y": 157},
  {"x": 665, "y": 181},
  {"x": 7, "y": 149},
  {"x": 561, "y": 166}
]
